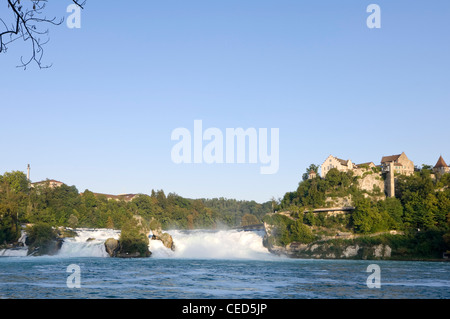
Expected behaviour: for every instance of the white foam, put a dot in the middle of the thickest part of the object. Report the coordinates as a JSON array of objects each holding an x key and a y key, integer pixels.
[
  {"x": 87, "y": 243},
  {"x": 204, "y": 244}
]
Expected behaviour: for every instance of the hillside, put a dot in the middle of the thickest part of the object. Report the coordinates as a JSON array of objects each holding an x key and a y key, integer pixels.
[
  {"x": 412, "y": 225},
  {"x": 64, "y": 205}
]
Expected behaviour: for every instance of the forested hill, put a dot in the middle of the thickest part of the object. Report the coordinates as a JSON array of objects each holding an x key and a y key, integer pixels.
[
  {"x": 66, "y": 206},
  {"x": 238, "y": 212},
  {"x": 419, "y": 212}
]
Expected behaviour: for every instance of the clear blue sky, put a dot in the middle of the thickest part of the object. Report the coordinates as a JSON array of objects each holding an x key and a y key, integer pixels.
[{"x": 101, "y": 117}]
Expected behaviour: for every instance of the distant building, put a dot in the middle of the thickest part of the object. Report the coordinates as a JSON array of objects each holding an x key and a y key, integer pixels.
[
  {"x": 441, "y": 167},
  {"x": 400, "y": 163},
  {"x": 339, "y": 164},
  {"x": 50, "y": 182},
  {"x": 312, "y": 174},
  {"x": 124, "y": 197}
]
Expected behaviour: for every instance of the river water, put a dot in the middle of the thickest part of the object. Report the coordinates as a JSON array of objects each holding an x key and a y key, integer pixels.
[{"x": 222, "y": 264}]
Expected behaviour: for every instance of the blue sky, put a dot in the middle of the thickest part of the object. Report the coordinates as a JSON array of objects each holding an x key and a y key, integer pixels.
[{"x": 101, "y": 117}]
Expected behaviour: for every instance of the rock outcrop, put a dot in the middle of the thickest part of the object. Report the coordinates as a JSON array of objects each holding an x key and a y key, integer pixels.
[
  {"x": 333, "y": 250},
  {"x": 43, "y": 239},
  {"x": 112, "y": 246},
  {"x": 48, "y": 247},
  {"x": 157, "y": 234}
]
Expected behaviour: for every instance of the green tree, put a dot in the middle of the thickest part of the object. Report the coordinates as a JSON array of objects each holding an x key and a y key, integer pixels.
[
  {"x": 249, "y": 219},
  {"x": 133, "y": 239},
  {"x": 394, "y": 209},
  {"x": 299, "y": 232},
  {"x": 367, "y": 219},
  {"x": 110, "y": 223},
  {"x": 17, "y": 182}
]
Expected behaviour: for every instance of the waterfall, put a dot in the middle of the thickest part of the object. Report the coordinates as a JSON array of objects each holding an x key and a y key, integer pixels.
[
  {"x": 196, "y": 244},
  {"x": 88, "y": 243},
  {"x": 205, "y": 244},
  {"x": 18, "y": 251}
]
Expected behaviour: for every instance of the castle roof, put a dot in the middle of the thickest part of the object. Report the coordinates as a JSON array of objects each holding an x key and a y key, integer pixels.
[
  {"x": 343, "y": 162},
  {"x": 440, "y": 163},
  {"x": 392, "y": 158}
]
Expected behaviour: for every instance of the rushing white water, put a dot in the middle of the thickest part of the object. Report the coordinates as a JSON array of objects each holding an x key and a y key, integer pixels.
[
  {"x": 87, "y": 243},
  {"x": 197, "y": 244},
  {"x": 19, "y": 251},
  {"x": 204, "y": 244},
  {"x": 14, "y": 252}
]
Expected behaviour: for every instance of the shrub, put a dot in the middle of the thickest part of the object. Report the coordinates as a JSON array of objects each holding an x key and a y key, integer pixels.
[
  {"x": 133, "y": 239},
  {"x": 40, "y": 234}
]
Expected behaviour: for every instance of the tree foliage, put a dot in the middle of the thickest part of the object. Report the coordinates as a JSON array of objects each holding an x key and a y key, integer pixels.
[
  {"x": 422, "y": 204},
  {"x": 65, "y": 206}
]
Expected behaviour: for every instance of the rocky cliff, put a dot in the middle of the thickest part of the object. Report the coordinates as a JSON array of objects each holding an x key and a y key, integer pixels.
[{"x": 333, "y": 250}]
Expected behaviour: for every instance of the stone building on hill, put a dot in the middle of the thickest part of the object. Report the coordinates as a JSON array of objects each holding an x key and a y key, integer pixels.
[
  {"x": 124, "y": 197},
  {"x": 390, "y": 165},
  {"x": 441, "y": 167},
  {"x": 50, "y": 182},
  {"x": 344, "y": 166},
  {"x": 400, "y": 163},
  {"x": 339, "y": 164}
]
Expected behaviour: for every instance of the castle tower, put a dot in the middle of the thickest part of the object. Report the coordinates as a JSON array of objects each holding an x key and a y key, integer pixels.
[
  {"x": 441, "y": 166},
  {"x": 389, "y": 183}
]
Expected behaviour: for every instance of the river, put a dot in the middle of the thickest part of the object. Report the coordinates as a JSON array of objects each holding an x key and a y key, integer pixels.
[{"x": 224, "y": 264}]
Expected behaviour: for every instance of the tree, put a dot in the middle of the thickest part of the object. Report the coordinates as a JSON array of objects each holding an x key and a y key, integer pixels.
[
  {"x": 72, "y": 221},
  {"x": 133, "y": 238},
  {"x": 249, "y": 219},
  {"x": 312, "y": 167},
  {"x": 367, "y": 218},
  {"x": 300, "y": 232},
  {"x": 110, "y": 223},
  {"x": 16, "y": 181},
  {"x": 394, "y": 209},
  {"x": 29, "y": 19}
]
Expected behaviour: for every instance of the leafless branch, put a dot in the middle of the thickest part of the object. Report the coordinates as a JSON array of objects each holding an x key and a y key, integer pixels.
[{"x": 29, "y": 18}]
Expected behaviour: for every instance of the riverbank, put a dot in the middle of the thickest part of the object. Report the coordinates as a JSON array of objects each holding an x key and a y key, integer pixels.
[{"x": 425, "y": 246}]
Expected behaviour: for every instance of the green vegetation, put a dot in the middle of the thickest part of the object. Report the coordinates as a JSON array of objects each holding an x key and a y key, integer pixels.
[
  {"x": 13, "y": 203},
  {"x": 420, "y": 210},
  {"x": 287, "y": 230},
  {"x": 312, "y": 193},
  {"x": 65, "y": 206},
  {"x": 232, "y": 212},
  {"x": 40, "y": 234},
  {"x": 42, "y": 239},
  {"x": 133, "y": 239}
]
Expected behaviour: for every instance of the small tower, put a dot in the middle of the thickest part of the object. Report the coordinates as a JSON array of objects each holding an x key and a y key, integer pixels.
[
  {"x": 441, "y": 166},
  {"x": 390, "y": 181},
  {"x": 312, "y": 174},
  {"x": 28, "y": 172}
]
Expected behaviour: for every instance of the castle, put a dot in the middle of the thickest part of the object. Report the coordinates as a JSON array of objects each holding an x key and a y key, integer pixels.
[{"x": 390, "y": 165}]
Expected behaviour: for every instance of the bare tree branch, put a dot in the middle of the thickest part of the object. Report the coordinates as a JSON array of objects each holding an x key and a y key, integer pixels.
[{"x": 28, "y": 16}]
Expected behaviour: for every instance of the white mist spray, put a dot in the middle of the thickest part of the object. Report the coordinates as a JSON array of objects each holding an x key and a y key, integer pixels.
[
  {"x": 204, "y": 244},
  {"x": 88, "y": 243}
]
